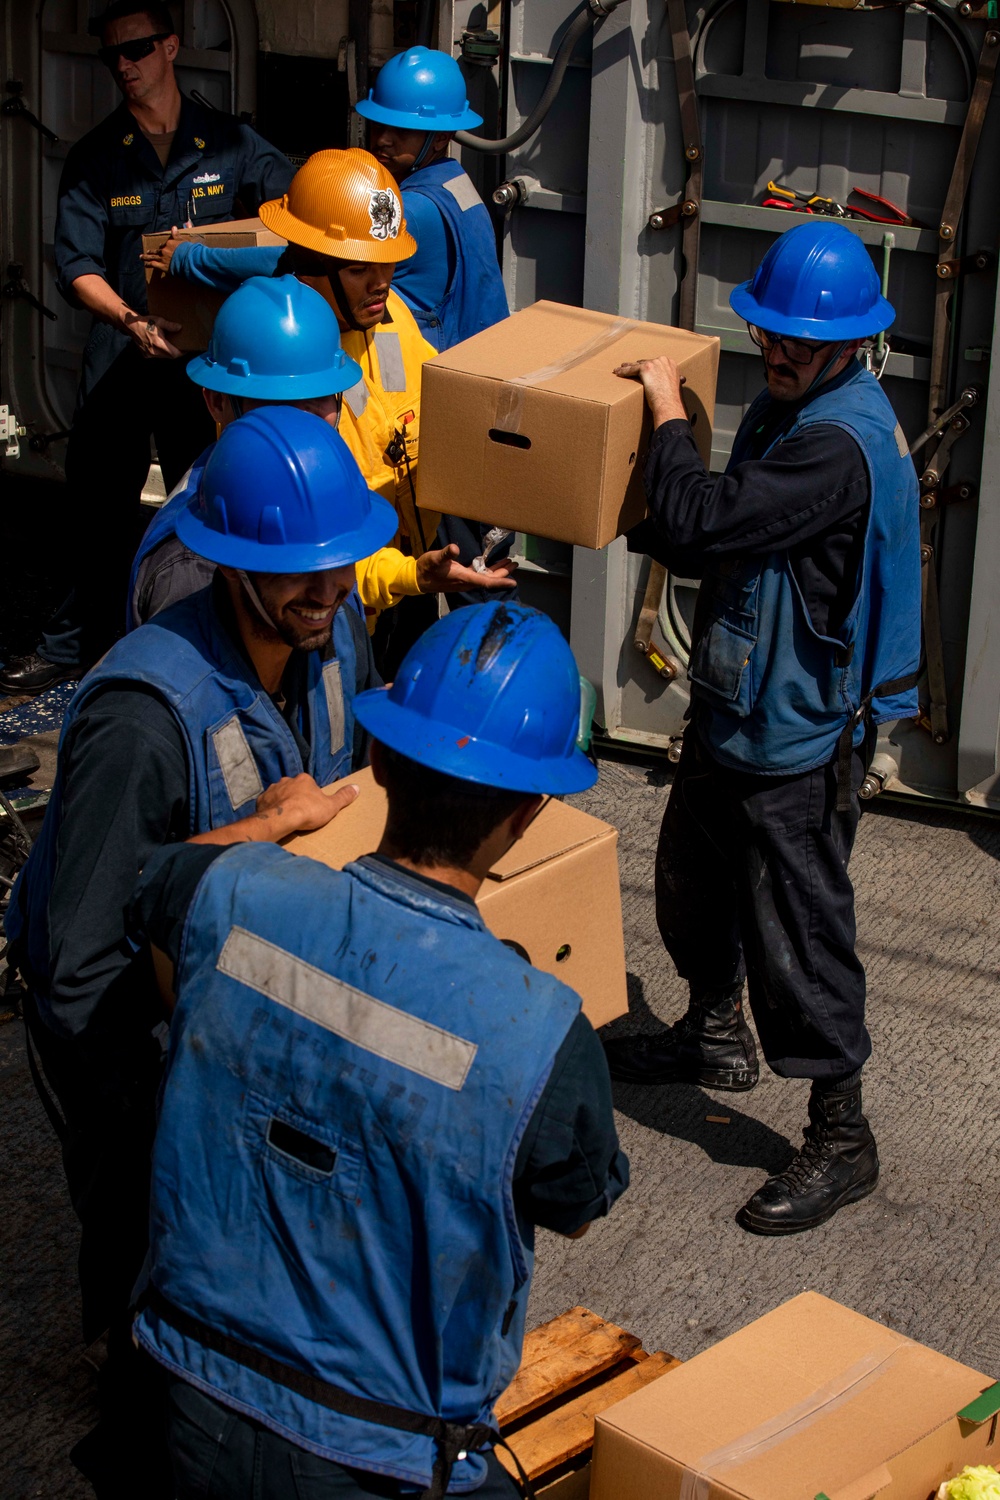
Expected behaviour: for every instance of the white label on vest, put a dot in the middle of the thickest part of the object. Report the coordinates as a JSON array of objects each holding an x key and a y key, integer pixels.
[
  {"x": 371, "y": 1024},
  {"x": 357, "y": 399},
  {"x": 901, "y": 444},
  {"x": 463, "y": 190},
  {"x": 333, "y": 689},
  {"x": 390, "y": 362},
  {"x": 236, "y": 762}
]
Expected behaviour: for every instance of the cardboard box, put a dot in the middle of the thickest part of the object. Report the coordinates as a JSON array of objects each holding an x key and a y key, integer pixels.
[
  {"x": 554, "y": 897},
  {"x": 184, "y": 302},
  {"x": 526, "y": 426},
  {"x": 811, "y": 1402}
]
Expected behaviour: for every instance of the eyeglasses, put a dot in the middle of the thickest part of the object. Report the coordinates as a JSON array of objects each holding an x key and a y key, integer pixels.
[
  {"x": 131, "y": 51},
  {"x": 796, "y": 351}
]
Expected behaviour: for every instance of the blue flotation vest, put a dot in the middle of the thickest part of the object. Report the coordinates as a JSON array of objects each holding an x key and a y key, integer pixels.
[
  {"x": 474, "y": 298},
  {"x": 773, "y": 695},
  {"x": 353, "y": 1061},
  {"x": 237, "y": 742}
]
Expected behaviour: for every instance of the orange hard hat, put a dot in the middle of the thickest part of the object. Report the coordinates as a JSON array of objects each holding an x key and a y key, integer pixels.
[{"x": 344, "y": 204}]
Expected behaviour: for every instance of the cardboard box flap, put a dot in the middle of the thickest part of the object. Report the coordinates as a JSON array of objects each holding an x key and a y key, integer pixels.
[
  {"x": 986, "y": 1405},
  {"x": 557, "y": 829},
  {"x": 814, "y": 1394}
]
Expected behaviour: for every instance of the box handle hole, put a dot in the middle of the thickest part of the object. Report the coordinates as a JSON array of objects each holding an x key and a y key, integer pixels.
[
  {"x": 563, "y": 953},
  {"x": 631, "y": 459},
  {"x": 509, "y": 439}
]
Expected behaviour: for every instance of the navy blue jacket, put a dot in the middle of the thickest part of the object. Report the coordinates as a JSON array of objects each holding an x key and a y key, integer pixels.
[{"x": 113, "y": 190}]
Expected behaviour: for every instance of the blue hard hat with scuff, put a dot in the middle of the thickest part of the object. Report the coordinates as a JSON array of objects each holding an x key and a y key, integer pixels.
[
  {"x": 275, "y": 340},
  {"x": 816, "y": 282},
  {"x": 281, "y": 493},
  {"x": 490, "y": 694},
  {"x": 420, "y": 89}
]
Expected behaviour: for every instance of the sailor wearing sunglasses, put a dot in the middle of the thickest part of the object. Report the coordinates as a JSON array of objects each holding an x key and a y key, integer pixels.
[
  {"x": 158, "y": 160},
  {"x": 806, "y": 635}
]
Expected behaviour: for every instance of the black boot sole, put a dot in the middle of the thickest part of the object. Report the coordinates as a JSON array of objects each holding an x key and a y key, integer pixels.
[
  {"x": 757, "y": 1225},
  {"x": 727, "y": 1080}
]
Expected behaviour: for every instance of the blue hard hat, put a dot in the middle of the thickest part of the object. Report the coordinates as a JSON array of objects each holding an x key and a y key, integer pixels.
[
  {"x": 275, "y": 340},
  {"x": 489, "y": 694},
  {"x": 420, "y": 90},
  {"x": 816, "y": 282},
  {"x": 281, "y": 493}
]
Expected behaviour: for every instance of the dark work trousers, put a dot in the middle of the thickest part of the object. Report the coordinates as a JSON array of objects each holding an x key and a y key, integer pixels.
[
  {"x": 107, "y": 460},
  {"x": 218, "y": 1454},
  {"x": 106, "y": 1150},
  {"x": 751, "y": 879}
]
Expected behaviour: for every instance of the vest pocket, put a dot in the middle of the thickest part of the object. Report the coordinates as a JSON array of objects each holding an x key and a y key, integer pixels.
[
  {"x": 287, "y": 1145},
  {"x": 726, "y": 634}
]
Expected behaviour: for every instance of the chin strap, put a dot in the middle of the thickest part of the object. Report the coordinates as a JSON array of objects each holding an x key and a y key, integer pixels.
[
  {"x": 424, "y": 152},
  {"x": 254, "y": 598}
]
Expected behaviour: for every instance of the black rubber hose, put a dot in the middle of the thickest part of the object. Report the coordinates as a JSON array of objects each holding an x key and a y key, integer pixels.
[{"x": 577, "y": 28}]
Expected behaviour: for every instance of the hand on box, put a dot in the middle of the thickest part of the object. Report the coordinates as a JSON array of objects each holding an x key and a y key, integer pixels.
[
  {"x": 149, "y": 334},
  {"x": 159, "y": 260},
  {"x": 439, "y": 573},
  {"x": 297, "y": 804},
  {"x": 661, "y": 381}
]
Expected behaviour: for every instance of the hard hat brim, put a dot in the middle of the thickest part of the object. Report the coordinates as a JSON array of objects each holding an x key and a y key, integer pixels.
[
  {"x": 316, "y": 383},
  {"x": 880, "y": 316},
  {"x": 290, "y": 557},
  {"x": 380, "y": 252},
  {"x": 443, "y": 747},
  {"x": 467, "y": 119}
]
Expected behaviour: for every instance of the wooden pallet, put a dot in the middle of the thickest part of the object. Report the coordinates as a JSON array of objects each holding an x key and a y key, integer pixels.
[{"x": 571, "y": 1368}]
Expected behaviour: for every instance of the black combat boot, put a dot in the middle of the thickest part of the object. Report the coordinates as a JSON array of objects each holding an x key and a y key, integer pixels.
[
  {"x": 711, "y": 1044},
  {"x": 838, "y": 1164}
]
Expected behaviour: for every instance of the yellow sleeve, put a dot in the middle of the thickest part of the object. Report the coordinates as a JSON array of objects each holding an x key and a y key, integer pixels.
[{"x": 386, "y": 577}]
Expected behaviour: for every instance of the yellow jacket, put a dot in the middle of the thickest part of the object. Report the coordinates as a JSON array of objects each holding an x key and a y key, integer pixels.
[
  {"x": 385, "y": 407},
  {"x": 384, "y": 578}
]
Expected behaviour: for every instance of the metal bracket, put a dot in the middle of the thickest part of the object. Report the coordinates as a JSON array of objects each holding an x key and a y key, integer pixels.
[
  {"x": 16, "y": 106},
  {"x": 666, "y": 218},
  {"x": 16, "y": 287},
  {"x": 966, "y": 265},
  {"x": 10, "y": 431}
]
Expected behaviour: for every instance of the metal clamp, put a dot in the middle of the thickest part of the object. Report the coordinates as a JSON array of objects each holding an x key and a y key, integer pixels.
[{"x": 10, "y": 433}]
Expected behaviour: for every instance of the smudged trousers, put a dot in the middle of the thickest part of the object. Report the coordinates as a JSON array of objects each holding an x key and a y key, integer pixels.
[{"x": 751, "y": 881}]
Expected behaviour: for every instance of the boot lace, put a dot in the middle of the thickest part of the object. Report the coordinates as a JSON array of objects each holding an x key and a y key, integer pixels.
[{"x": 809, "y": 1162}]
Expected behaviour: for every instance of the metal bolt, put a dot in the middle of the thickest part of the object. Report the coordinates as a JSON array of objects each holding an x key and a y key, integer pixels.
[
  {"x": 674, "y": 750},
  {"x": 870, "y": 787},
  {"x": 930, "y": 478},
  {"x": 946, "y": 231},
  {"x": 966, "y": 8},
  {"x": 928, "y": 501},
  {"x": 964, "y": 491},
  {"x": 940, "y": 739},
  {"x": 689, "y": 208},
  {"x": 693, "y": 153},
  {"x": 926, "y": 553},
  {"x": 944, "y": 269},
  {"x": 992, "y": 37},
  {"x": 656, "y": 221}
]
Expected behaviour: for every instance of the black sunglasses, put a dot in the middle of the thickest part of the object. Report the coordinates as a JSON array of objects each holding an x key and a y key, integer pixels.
[
  {"x": 796, "y": 351},
  {"x": 131, "y": 51}
]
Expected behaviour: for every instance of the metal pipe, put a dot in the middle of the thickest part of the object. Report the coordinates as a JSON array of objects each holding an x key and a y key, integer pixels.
[{"x": 578, "y": 27}]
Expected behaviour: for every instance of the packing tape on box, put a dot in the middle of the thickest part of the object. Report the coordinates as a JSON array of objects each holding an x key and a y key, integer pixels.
[
  {"x": 510, "y": 399},
  {"x": 697, "y": 1481}
]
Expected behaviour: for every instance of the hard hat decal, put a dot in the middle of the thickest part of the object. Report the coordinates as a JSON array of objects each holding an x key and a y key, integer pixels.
[{"x": 386, "y": 215}]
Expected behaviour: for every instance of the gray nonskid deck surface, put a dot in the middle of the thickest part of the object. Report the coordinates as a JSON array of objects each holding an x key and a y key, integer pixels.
[
  {"x": 920, "y": 1254},
  {"x": 670, "y": 1263}
]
